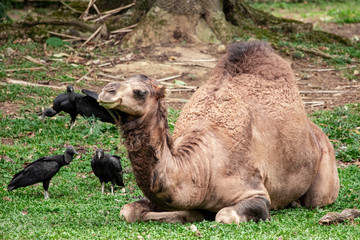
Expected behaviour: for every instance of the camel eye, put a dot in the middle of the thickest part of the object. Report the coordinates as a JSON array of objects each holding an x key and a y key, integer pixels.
[{"x": 139, "y": 94}]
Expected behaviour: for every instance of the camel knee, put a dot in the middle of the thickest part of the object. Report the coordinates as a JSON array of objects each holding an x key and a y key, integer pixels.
[
  {"x": 130, "y": 214},
  {"x": 257, "y": 208},
  {"x": 135, "y": 211}
]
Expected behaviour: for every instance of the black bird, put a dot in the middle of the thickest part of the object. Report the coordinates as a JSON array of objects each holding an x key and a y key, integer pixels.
[
  {"x": 108, "y": 169},
  {"x": 64, "y": 102},
  {"x": 77, "y": 103},
  {"x": 42, "y": 170},
  {"x": 88, "y": 106}
]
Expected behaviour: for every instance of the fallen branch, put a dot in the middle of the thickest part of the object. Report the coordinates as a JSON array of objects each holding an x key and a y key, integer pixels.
[
  {"x": 105, "y": 80},
  {"x": 169, "y": 78},
  {"x": 83, "y": 77},
  {"x": 13, "y": 81},
  {"x": 182, "y": 89},
  {"x": 201, "y": 60},
  {"x": 191, "y": 65},
  {"x": 125, "y": 29},
  {"x": 104, "y": 64},
  {"x": 96, "y": 9},
  {"x": 179, "y": 86},
  {"x": 315, "y": 103},
  {"x": 25, "y": 69},
  {"x": 86, "y": 12},
  {"x": 34, "y": 60},
  {"x": 67, "y": 36},
  {"x": 111, "y": 76},
  {"x": 317, "y": 52},
  {"x": 92, "y": 36},
  {"x": 177, "y": 100},
  {"x": 69, "y": 7},
  {"x": 114, "y": 11},
  {"x": 328, "y": 69}
]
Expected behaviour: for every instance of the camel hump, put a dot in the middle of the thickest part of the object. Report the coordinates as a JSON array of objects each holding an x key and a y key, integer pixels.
[
  {"x": 253, "y": 57},
  {"x": 241, "y": 52}
]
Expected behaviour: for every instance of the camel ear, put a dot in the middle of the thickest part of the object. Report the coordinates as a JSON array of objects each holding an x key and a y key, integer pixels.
[{"x": 161, "y": 92}]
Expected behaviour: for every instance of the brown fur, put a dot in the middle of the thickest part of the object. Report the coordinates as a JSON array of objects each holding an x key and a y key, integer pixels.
[{"x": 242, "y": 145}]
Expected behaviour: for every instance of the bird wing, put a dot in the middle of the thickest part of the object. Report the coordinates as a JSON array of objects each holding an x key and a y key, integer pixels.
[
  {"x": 89, "y": 93},
  {"x": 115, "y": 164},
  {"x": 42, "y": 169},
  {"x": 58, "y": 100},
  {"x": 87, "y": 106},
  {"x": 68, "y": 106}
]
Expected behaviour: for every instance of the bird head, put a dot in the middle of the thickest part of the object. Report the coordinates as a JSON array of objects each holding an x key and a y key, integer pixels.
[
  {"x": 69, "y": 89},
  {"x": 69, "y": 153},
  {"x": 99, "y": 153}
]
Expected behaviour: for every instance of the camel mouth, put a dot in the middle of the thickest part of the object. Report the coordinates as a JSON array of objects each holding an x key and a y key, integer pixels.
[{"x": 109, "y": 105}]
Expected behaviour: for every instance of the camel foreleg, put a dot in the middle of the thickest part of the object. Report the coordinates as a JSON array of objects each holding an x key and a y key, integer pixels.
[{"x": 144, "y": 210}]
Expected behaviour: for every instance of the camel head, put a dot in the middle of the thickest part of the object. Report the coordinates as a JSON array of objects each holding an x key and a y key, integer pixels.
[{"x": 135, "y": 96}]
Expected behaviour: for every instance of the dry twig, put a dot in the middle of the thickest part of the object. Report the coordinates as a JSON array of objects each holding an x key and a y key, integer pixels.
[
  {"x": 92, "y": 36},
  {"x": 69, "y": 7},
  {"x": 169, "y": 78},
  {"x": 13, "y": 81},
  {"x": 67, "y": 36},
  {"x": 85, "y": 76},
  {"x": 328, "y": 69},
  {"x": 31, "y": 59},
  {"x": 86, "y": 12},
  {"x": 114, "y": 11},
  {"x": 176, "y": 100},
  {"x": 25, "y": 69}
]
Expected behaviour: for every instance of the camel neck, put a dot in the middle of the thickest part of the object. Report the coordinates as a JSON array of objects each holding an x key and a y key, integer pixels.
[{"x": 146, "y": 138}]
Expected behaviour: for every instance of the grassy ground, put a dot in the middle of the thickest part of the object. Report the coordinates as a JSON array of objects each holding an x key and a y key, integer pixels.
[
  {"x": 327, "y": 11},
  {"x": 77, "y": 209}
]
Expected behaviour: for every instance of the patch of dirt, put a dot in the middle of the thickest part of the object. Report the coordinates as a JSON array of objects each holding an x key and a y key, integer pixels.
[
  {"x": 9, "y": 108},
  {"x": 349, "y": 31}
]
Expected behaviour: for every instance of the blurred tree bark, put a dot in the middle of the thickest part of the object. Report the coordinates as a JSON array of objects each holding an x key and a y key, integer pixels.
[
  {"x": 215, "y": 21},
  {"x": 168, "y": 21}
]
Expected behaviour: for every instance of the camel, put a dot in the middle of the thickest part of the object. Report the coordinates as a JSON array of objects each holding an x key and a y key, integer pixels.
[{"x": 242, "y": 145}]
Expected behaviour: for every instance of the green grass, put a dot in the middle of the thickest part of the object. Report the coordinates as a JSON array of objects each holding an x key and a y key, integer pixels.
[
  {"x": 77, "y": 209},
  {"x": 14, "y": 64},
  {"x": 325, "y": 11},
  {"x": 342, "y": 125}
]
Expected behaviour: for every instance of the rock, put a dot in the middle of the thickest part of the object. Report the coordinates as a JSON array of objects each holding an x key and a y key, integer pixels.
[{"x": 335, "y": 217}]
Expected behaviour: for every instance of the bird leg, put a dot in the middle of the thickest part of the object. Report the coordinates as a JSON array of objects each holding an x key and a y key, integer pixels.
[
  {"x": 102, "y": 187},
  {"x": 91, "y": 128},
  {"x": 72, "y": 124},
  {"x": 46, "y": 184},
  {"x": 112, "y": 189},
  {"x": 46, "y": 194}
]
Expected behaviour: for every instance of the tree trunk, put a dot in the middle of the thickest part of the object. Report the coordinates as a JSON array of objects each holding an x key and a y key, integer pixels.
[
  {"x": 215, "y": 21},
  {"x": 182, "y": 20}
]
